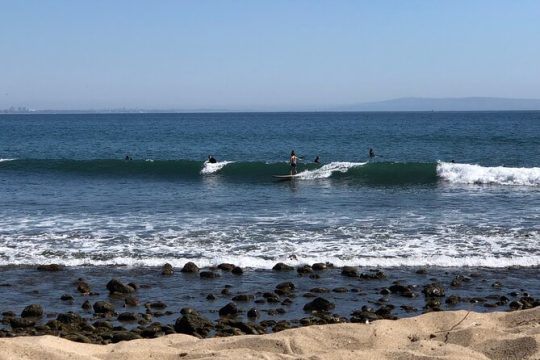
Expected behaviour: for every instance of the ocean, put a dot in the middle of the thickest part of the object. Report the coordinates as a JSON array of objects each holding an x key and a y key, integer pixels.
[{"x": 453, "y": 192}]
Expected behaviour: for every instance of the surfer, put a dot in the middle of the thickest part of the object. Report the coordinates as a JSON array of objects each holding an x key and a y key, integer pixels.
[
  {"x": 128, "y": 158},
  {"x": 293, "y": 162},
  {"x": 211, "y": 159},
  {"x": 371, "y": 153},
  {"x": 317, "y": 160}
]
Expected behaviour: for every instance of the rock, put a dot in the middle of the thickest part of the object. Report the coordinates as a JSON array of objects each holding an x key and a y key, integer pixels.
[
  {"x": 378, "y": 275},
  {"x": 32, "y": 311},
  {"x": 319, "y": 290},
  {"x": 453, "y": 300},
  {"x": 124, "y": 336},
  {"x": 421, "y": 271},
  {"x": 340, "y": 290},
  {"x": 243, "y": 297},
  {"x": 229, "y": 310},
  {"x": 70, "y": 318},
  {"x": 282, "y": 267},
  {"x": 433, "y": 303},
  {"x": 208, "y": 275},
  {"x": 50, "y": 267},
  {"x": 253, "y": 313},
  {"x": 282, "y": 325},
  {"x": 167, "y": 270},
  {"x": 193, "y": 324},
  {"x": 19, "y": 323},
  {"x": 402, "y": 290},
  {"x": 385, "y": 311},
  {"x": 151, "y": 331},
  {"x": 304, "y": 269},
  {"x": 131, "y": 301},
  {"x": 225, "y": 291},
  {"x": 210, "y": 297},
  {"x": 408, "y": 308},
  {"x": 319, "y": 305},
  {"x": 349, "y": 271},
  {"x": 497, "y": 285},
  {"x": 86, "y": 305},
  {"x": 66, "y": 297},
  {"x": 187, "y": 310},
  {"x": 226, "y": 267},
  {"x": 83, "y": 287},
  {"x": 516, "y": 305},
  {"x": 103, "y": 324},
  {"x": 135, "y": 286},
  {"x": 285, "y": 286},
  {"x": 237, "y": 270},
  {"x": 385, "y": 291},
  {"x": 117, "y": 287},
  {"x": 190, "y": 268},
  {"x": 103, "y": 307},
  {"x": 433, "y": 290},
  {"x": 271, "y": 297},
  {"x": 127, "y": 316},
  {"x": 287, "y": 302},
  {"x": 318, "y": 266},
  {"x": 77, "y": 338},
  {"x": 156, "y": 305}
]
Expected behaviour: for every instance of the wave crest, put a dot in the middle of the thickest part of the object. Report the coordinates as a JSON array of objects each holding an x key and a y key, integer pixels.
[{"x": 498, "y": 175}]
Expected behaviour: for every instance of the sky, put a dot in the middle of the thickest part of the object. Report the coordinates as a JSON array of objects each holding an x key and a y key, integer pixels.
[{"x": 263, "y": 55}]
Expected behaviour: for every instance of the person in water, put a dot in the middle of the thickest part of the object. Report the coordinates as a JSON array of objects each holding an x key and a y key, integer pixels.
[
  {"x": 128, "y": 158},
  {"x": 371, "y": 153},
  {"x": 211, "y": 159},
  {"x": 293, "y": 161},
  {"x": 317, "y": 160}
]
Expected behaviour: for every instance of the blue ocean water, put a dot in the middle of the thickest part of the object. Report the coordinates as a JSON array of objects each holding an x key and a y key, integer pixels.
[{"x": 68, "y": 196}]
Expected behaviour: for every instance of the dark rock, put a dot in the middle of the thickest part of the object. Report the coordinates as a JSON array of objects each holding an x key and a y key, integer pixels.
[
  {"x": 210, "y": 297},
  {"x": 402, "y": 290},
  {"x": 66, "y": 297},
  {"x": 86, "y": 305},
  {"x": 385, "y": 291},
  {"x": 421, "y": 271},
  {"x": 167, "y": 269},
  {"x": 156, "y": 305},
  {"x": 124, "y": 336},
  {"x": 253, "y": 313},
  {"x": 319, "y": 304},
  {"x": 433, "y": 303},
  {"x": 187, "y": 310},
  {"x": 70, "y": 318},
  {"x": 282, "y": 267},
  {"x": 190, "y": 268},
  {"x": 193, "y": 324},
  {"x": 361, "y": 316},
  {"x": 285, "y": 286},
  {"x": 32, "y": 311},
  {"x": 83, "y": 287},
  {"x": 135, "y": 286},
  {"x": 151, "y": 331},
  {"x": 226, "y": 267},
  {"x": 282, "y": 325},
  {"x": 103, "y": 324},
  {"x": 80, "y": 338},
  {"x": 229, "y": 310},
  {"x": 103, "y": 307},
  {"x": 116, "y": 286},
  {"x": 318, "y": 266},
  {"x": 50, "y": 267},
  {"x": 496, "y": 284},
  {"x": 378, "y": 275},
  {"x": 304, "y": 269},
  {"x": 408, "y": 308},
  {"x": 237, "y": 270},
  {"x": 18, "y": 323},
  {"x": 271, "y": 297},
  {"x": 225, "y": 291},
  {"x": 349, "y": 271},
  {"x": 340, "y": 290},
  {"x": 319, "y": 290},
  {"x": 287, "y": 302},
  {"x": 309, "y": 295},
  {"x": 127, "y": 316},
  {"x": 314, "y": 276},
  {"x": 385, "y": 311},
  {"x": 208, "y": 275},
  {"x": 131, "y": 301},
  {"x": 433, "y": 290},
  {"x": 243, "y": 297},
  {"x": 453, "y": 300}
]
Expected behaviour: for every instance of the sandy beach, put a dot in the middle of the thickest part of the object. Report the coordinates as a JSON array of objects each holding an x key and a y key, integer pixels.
[{"x": 441, "y": 335}]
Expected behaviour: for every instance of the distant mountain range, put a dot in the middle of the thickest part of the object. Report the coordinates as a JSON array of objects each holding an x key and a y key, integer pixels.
[{"x": 445, "y": 104}]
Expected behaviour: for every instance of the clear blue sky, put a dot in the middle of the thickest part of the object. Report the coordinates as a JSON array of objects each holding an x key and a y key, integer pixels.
[{"x": 266, "y": 55}]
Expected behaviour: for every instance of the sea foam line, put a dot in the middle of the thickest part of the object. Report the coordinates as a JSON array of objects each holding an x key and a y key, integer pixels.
[
  {"x": 498, "y": 175},
  {"x": 327, "y": 170},
  {"x": 211, "y": 168}
]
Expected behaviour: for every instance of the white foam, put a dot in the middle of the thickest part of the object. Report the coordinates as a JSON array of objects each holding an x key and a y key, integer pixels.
[
  {"x": 327, "y": 170},
  {"x": 2, "y": 160},
  {"x": 211, "y": 168},
  {"x": 476, "y": 174}
]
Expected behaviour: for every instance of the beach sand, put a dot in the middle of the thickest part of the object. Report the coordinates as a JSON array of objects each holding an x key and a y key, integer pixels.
[{"x": 440, "y": 335}]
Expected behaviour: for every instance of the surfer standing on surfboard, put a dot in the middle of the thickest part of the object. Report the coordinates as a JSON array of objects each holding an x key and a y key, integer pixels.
[{"x": 293, "y": 162}]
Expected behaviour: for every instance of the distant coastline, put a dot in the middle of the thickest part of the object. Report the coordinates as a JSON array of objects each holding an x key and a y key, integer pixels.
[{"x": 406, "y": 104}]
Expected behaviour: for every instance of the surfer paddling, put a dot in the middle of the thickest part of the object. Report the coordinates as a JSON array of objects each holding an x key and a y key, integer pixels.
[{"x": 211, "y": 159}]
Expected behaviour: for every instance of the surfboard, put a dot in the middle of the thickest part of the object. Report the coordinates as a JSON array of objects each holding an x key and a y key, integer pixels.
[{"x": 285, "y": 177}]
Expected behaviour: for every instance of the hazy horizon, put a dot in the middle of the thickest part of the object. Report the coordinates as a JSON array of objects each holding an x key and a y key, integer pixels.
[{"x": 263, "y": 56}]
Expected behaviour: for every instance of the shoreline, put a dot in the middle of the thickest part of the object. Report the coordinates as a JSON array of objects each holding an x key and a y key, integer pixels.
[
  {"x": 448, "y": 334},
  {"x": 107, "y": 305}
]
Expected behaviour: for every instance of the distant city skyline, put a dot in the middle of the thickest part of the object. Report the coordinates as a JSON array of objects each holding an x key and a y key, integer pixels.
[{"x": 267, "y": 56}]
